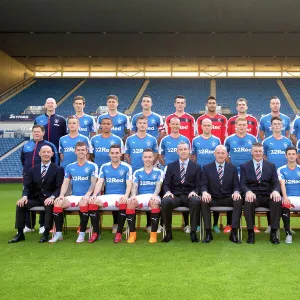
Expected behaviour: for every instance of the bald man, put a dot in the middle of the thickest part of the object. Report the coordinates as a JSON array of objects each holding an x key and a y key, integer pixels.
[
  {"x": 41, "y": 187},
  {"x": 220, "y": 187},
  {"x": 54, "y": 124}
]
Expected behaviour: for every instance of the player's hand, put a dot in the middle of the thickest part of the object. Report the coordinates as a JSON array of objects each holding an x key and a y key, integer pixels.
[
  {"x": 132, "y": 199},
  {"x": 168, "y": 194},
  {"x": 192, "y": 194},
  {"x": 59, "y": 200},
  {"x": 22, "y": 201},
  {"x": 86, "y": 198},
  {"x": 206, "y": 197},
  {"x": 286, "y": 201},
  {"x": 236, "y": 196},
  {"x": 123, "y": 200},
  {"x": 250, "y": 196},
  {"x": 96, "y": 200},
  {"x": 155, "y": 199},
  {"x": 48, "y": 201},
  {"x": 275, "y": 196}
]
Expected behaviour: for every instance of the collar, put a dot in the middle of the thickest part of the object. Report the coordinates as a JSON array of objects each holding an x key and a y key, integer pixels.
[
  {"x": 257, "y": 162},
  {"x": 47, "y": 165},
  {"x": 186, "y": 162},
  {"x": 218, "y": 164}
]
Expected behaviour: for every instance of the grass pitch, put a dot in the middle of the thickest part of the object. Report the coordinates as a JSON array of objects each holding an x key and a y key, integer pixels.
[{"x": 178, "y": 270}]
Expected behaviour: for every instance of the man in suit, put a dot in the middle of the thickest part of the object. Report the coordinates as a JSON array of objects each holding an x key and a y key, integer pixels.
[
  {"x": 220, "y": 187},
  {"x": 41, "y": 187},
  {"x": 181, "y": 187},
  {"x": 260, "y": 185}
]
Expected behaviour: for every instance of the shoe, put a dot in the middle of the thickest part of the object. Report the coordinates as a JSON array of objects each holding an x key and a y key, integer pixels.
[
  {"x": 256, "y": 230},
  {"x": 273, "y": 239},
  {"x": 17, "y": 238},
  {"x": 288, "y": 239},
  {"x": 27, "y": 229},
  {"x": 187, "y": 229},
  {"x": 42, "y": 230},
  {"x": 148, "y": 229},
  {"x": 216, "y": 229},
  {"x": 268, "y": 229},
  {"x": 118, "y": 238},
  {"x": 114, "y": 228},
  {"x": 56, "y": 237},
  {"x": 44, "y": 239},
  {"x": 251, "y": 238},
  {"x": 208, "y": 238},
  {"x": 93, "y": 238},
  {"x": 159, "y": 229},
  {"x": 198, "y": 228},
  {"x": 227, "y": 229},
  {"x": 80, "y": 238},
  {"x": 153, "y": 237},
  {"x": 132, "y": 238},
  {"x": 168, "y": 237},
  {"x": 233, "y": 238},
  {"x": 194, "y": 238}
]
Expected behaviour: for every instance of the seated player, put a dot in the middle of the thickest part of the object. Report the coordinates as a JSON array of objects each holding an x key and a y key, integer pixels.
[
  {"x": 83, "y": 174},
  {"x": 147, "y": 183},
  {"x": 289, "y": 179},
  {"x": 117, "y": 177}
]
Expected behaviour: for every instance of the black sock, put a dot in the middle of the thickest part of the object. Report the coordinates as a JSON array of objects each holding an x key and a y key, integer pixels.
[
  {"x": 148, "y": 215},
  {"x": 121, "y": 220},
  {"x": 186, "y": 218},
  {"x": 273, "y": 231},
  {"x": 154, "y": 221},
  {"x": 216, "y": 218},
  {"x": 46, "y": 232},
  {"x": 58, "y": 217},
  {"x": 233, "y": 231},
  {"x": 84, "y": 218},
  {"x": 115, "y": 217},
  {"x": 250, "y": 231},
  {"x": 20, "y": 231},
  {"x": 95, "y": 218},
  {"x": 131, "y": 217},
  {"x": 229, "y": 218},
  {"x": 286, "y": 220},
  {"x": 208, "y": 231}
]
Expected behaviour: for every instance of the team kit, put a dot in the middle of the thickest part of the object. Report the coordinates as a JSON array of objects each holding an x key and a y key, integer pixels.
[{"x": 160, "y": 165}]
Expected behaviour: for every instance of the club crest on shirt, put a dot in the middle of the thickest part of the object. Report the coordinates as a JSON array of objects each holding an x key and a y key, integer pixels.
[
  {"x": 148, "y": 143},
  {"x": 153, "y": 121},
  {"x": 154, "y": 176},
  {"x": 249, "y": 142},
  {"x": 213, "y": 143},
  {"x": 56, "y": 121},
  {"x": 112, "y": 142},
  {"x": 119, "y": 120},
  {"x": 86, "y": 122},
  {"x": 298, "y": 173},
  {"x": 87, "y": 169},
  {"x": 121, "y": 172},
  {"x": 285, "y": 145}
]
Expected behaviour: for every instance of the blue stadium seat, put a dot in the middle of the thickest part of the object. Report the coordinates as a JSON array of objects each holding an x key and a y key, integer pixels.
[
  {"x": 11, "y": 166},
  {"x": 6, "y": 144},
  {"x": 293, "y": 87}
]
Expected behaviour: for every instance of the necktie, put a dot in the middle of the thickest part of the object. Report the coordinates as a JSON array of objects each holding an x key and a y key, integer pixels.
[
  {"x": 258, "y": 172},
  {"x": 182, "y": 173},
  {"x": 44, "y": 171},
  {"x": 220, "y": 173}
]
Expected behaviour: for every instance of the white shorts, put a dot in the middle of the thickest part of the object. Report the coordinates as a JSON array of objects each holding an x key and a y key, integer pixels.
[
  {"x": 144, "y": 199},
  {"x": 74, "y": 200},
  {"x": 110, "y": 199},
  {"x": 295, "y": 201}
]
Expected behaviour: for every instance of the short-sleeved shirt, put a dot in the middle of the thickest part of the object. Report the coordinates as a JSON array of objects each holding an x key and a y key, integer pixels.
[
  {"x": 168, "y": 147},
  {"x": 147, "y": 181},
  {"x": 296, "y": 128},
  {"x": 265, "y": 124},
  {"x": 87, "y": 125},
  {"x": 291, "y": 179},
  {"x": 252, "y": 125},
  {"x": 81, "y": 176},
  {"x": 115, "y": 178}
]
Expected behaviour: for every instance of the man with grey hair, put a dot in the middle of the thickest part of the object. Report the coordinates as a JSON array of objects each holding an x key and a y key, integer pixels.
[{"x": 181, "y": 187}]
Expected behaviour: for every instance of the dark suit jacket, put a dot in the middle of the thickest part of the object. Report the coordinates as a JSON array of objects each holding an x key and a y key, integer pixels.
[
  {"x": 35, "y": 187},
  {"x": 172, "y": 181},
  {"x": 268, "y": 182},
  {"x": 210, "y": 180}
]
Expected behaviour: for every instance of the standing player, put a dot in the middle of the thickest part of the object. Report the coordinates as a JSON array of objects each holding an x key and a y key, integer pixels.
[
  {"x": 204, "y": 145},
  {"x": 295, "y": 131},
  {"x": 87, "y": 124},
  {"x": 120, "y": 121},
  {"x": 83, "y": 174},
  {"x": 187, "y": 122},
  {"x": 155, "y": 121},
  {"x": 276, "y": 144},
  {"x": 168, "y": 145},
  {"x": 117, "y": 177},
  {"x": 242, "y": 107},
  {"x": 55, "y": 125},
  {"x": 298, "y": 151},
  {"x": 265, "y": 128},
  {"x": 219, "y": 122},
  {"x": 67, "y": 143},
  {"x": 147, "y": 183},
  {"x": 289, "y": 179}
]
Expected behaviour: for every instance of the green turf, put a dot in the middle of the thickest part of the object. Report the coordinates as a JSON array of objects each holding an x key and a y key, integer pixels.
[{"x": 178, "y": 270}]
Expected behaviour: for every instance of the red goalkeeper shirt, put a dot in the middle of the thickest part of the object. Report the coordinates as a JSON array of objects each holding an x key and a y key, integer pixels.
[
  {"x": 187, "y": 125},
  {"x": 251, "y": 125},
  {"x": 219, "y": 125}
]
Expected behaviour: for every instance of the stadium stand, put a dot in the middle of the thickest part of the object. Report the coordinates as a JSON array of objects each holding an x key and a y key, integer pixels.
[
  {"x": 37, "y": 93},
  {"x": 6, "y": 144},
  {"x": 95, "y": 91},
  {"x": 11, "y": 167},
  {"x": 293, "y": 87},
  {"x": 163, "y": 92},
  {"x": 257, "y": 91}
]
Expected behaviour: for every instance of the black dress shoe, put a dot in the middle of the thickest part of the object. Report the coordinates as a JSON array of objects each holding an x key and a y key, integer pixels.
[
  {"x": 168, "y": 237},
  {"x": 234, "y": 238},
  {"x": 208, "y": 238},
  {"x": 44, "y": 239},
  {"x": 17, "y": 238},
  {"x": 194, "y": 238},
  {"x": 251, "y": 238},
  {"x": 273, "y": 238}
]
